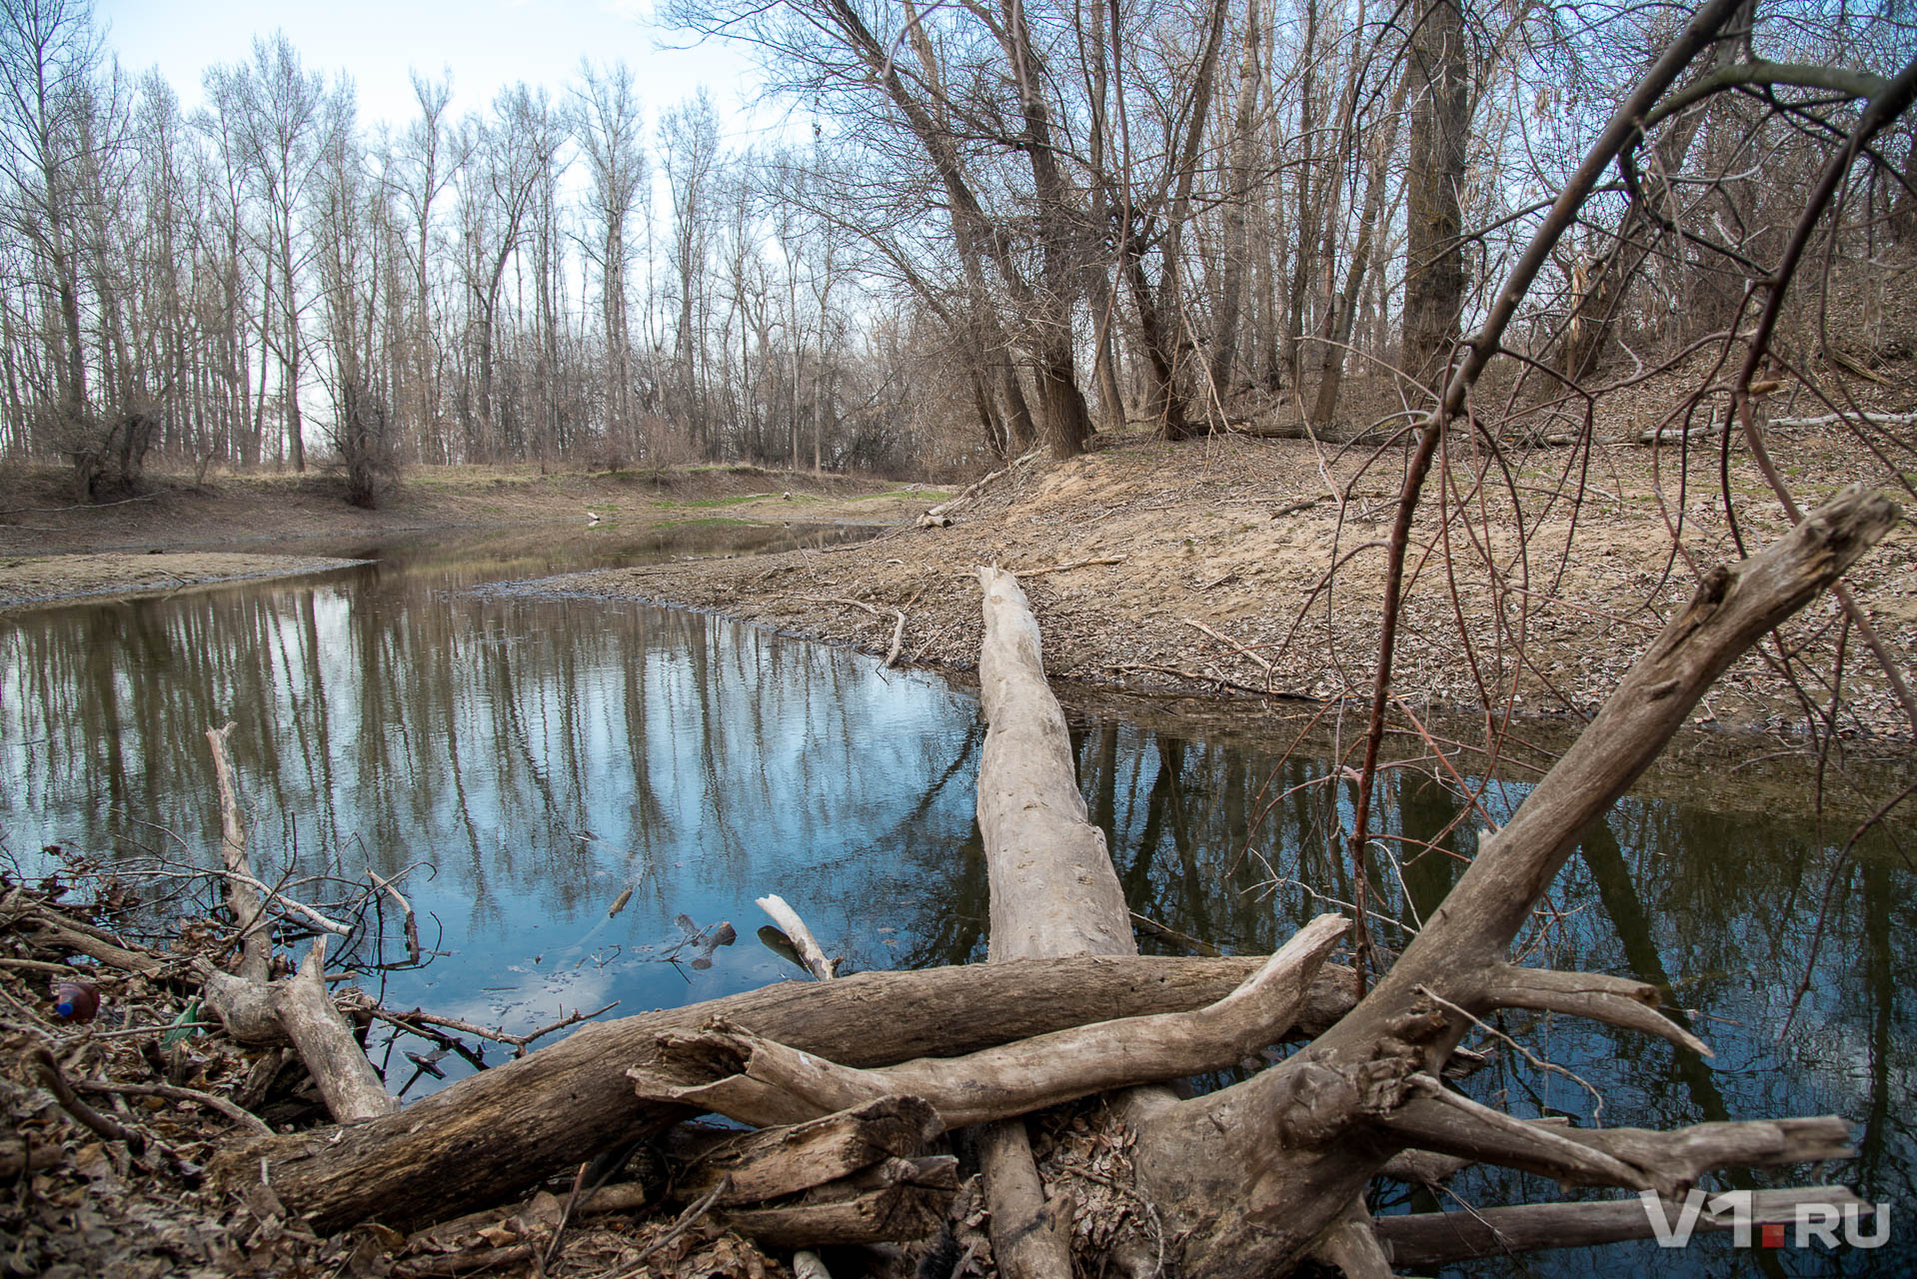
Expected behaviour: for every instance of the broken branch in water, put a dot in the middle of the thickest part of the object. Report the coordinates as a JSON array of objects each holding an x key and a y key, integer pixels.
[{"x": 810, "y": 953}]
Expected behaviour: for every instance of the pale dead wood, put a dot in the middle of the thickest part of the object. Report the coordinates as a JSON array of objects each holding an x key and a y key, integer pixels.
[
  {"x": 810, "y": 952},
  {"x": 61, "y": 934},
  {"x": 777, "y": 1084},
  {"x": 1834, "y": 419},
  {"x": 881, "y": 1215},
  {"x": 1350, "y": 1244},
  {"x": 1633, "y": 1157},
  {"x": 1286, "y": 1123},
  {"x": 1054, "y": 890},
  {"x": 351, "y": 1087},
  {"x": 898, "y": 639},
  {"x": 1257, "y": 658},
  {"x": 1031, "y": 1237},
  {"x": 772, "y": 1162},
  {"x": 242, "y": 890},
  {"x": 488, "y": 1136},
  {"x": 1067, "y": 566},
  {"x": 1618, "y": 1001},
  {"x": 1438, "y": 1238}
]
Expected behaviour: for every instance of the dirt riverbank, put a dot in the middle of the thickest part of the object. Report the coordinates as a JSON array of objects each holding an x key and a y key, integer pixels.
[
  {"x": 185, "y": 532},
  {"x": 1205, "y": 567},
  {"x": 1202, "y": 567}
]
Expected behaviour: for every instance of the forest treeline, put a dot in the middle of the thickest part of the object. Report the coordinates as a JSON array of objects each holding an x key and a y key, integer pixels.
[{"x": 1013, "y": 222}]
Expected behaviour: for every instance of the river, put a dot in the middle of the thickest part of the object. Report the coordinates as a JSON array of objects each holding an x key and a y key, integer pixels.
[{"x": 526, "y": 761}]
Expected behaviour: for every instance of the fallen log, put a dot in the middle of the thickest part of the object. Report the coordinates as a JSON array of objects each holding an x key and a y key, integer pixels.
[
  {"x": 1054, "y": 891},
  {"x": 487, "y": 1137},
  {"x": 770, "y": 1083},
  {"x": 774, "y": 1162},
  {"x": 1439, "y": 1238}
]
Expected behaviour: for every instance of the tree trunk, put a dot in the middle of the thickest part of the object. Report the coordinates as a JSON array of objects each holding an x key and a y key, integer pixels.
[{"x": 1434, "y": 222}]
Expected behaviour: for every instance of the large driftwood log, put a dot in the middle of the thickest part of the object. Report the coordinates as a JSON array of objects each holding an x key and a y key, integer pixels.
[
  {"x": 1053, "y": 886},
  {"x": 487, "y": 1137},
  {"x": 1054, "y": 889}
]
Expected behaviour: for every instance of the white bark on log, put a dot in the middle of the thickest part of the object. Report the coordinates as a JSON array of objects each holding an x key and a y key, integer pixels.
[
  {"x": 810, "y": 952},
  {"x": 780, "y": 1085},
  {"x": 346, "y": 1079}
]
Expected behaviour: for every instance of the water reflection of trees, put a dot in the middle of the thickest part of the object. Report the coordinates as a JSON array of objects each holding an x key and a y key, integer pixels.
[
  {"x": 1719, "y": 909},
  {"x": 526, "y": 743},
  {"x": 545, "y": 754}
]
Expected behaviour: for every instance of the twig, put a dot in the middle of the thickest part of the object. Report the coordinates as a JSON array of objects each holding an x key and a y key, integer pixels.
[
  {"x": 1538, "y": 1063},
  {"x": 412, "y": 1020},
  {"x": 238, "y": 1114},
  {"x": 841, "y": 599},
  {"x": 1067, "y": 567},
  {"x": 685, "y": 1222},
  {"x": 49, "y": 1071},
  {"x": 1228, "y": 642}
]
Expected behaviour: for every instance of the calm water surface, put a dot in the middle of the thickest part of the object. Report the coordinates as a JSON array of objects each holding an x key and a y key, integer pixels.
[{"x": 533, "y": 758}]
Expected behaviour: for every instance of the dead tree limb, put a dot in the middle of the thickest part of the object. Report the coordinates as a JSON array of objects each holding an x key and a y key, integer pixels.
[
  {"x": 487, "y": 1137},
  {"x": 346, "y": 1079},
  {"x": 242, "y": 898},
  {"x": 777, "y": 1084},
  {"x": 807, "y": 946},
  {"x": 1053, "y": 887},
  {"x": 1255, "y": 1172},
  {"x": 1438, "y": 1238}
]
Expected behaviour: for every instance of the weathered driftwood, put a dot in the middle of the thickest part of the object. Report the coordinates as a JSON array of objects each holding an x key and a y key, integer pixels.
[
  {"x": 346, "y": 1080},
  {"x": 810, "y": 953},
  {"x": 487, "y": 1137},
  {"x": 773, "y": 1162},
  {"x": 1252, "y": 1175},
  {"x": 1054, "y": 890},
  {"x": 847, "y": 1213},
  {"x": 53, "y": 930},
  {"x": 298, "y": 1008},
  {"x": 242, "y": 898},
  {"x": 777, "y": 1084},
  {"x": 1438, "y": 1238}
]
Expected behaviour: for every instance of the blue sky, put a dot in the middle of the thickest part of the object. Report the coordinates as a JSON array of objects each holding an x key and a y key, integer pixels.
[{"x": 486, "y": 44}]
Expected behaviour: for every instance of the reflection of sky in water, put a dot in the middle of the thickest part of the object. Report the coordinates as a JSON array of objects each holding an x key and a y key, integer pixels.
[{"x": 544, "y": 756}]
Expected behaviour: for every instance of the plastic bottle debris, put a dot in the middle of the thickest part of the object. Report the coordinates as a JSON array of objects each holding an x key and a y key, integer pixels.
[{"x": 75, "y": 1001}]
